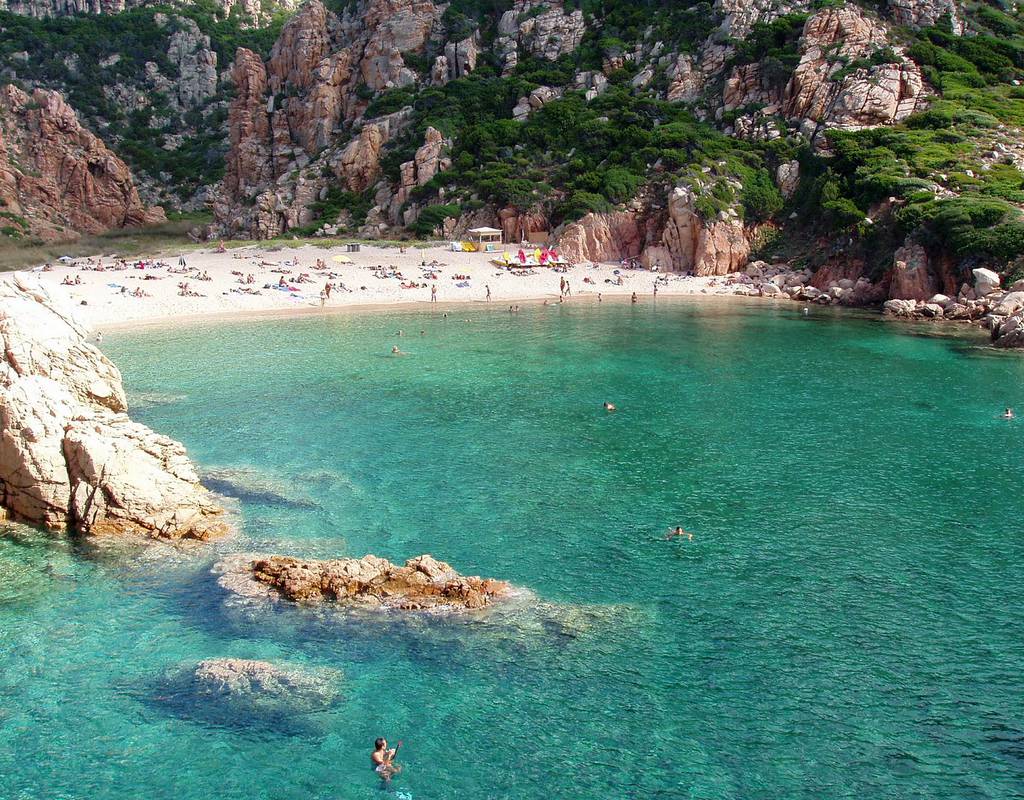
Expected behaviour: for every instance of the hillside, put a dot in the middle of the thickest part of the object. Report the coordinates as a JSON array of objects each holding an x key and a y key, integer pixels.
[{"x": 858, "y": 139}]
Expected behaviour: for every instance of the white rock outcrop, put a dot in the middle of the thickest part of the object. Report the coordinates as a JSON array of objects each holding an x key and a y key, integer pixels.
[{"x": 70, "y": 458}]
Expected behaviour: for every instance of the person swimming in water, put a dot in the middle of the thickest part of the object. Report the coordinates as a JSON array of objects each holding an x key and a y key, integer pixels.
[
  {"x": 609, "y": 406},
  {"x": 383, "y": 760},
  {"x": 1008, "y": 414},
  {"x": 396, "y": 352},
  {"x": 678, "y": 532}
]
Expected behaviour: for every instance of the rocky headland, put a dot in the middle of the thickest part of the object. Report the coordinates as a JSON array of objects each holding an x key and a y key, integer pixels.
[
  {"x": 422, "y": 584},
  {"x": 71, "y": 460}
]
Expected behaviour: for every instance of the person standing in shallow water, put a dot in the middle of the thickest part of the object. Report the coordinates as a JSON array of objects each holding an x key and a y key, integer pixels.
[{"x": 433, "y": 293}]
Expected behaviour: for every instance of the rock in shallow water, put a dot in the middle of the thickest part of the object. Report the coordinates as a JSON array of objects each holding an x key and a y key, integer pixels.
[
  {"x": 253, "y": 696},
  {"x": 239, "y": 677},
  {"x": 422, "y": 584}
]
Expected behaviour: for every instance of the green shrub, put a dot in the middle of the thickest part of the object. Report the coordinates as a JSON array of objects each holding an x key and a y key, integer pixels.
[{"x": 432, "y": 217}]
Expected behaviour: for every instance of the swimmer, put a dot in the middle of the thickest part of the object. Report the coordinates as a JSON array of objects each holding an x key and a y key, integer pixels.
[
  {"x": 1008, "y": 414},
  {"x": 383, "y": 760},
  {"x": 634, "y": 299},
  {"x": 807, "y": 310},
  {"x": 396, "y": 352},
  {"x": 678, "y": 532},
  {"x": 609, "y": 406},
  {"x": 423, "y": 333}
]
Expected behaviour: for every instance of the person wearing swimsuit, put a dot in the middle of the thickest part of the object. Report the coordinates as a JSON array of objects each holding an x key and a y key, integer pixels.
[{"x": 383, "y": 760}]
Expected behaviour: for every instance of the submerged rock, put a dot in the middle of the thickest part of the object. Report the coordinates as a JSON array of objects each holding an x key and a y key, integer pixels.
[
  {"x": 252, "y": 696},
  {"x": 70, "y": 458},
  {"x": 422, "y": 584},
  {"x": 240, "y": 677}
]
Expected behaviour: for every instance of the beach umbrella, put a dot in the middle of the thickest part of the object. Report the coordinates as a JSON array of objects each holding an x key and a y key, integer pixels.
[{"x": 342, "y": 259}]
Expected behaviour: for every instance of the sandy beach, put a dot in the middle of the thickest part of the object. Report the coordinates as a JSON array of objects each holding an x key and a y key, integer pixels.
[{"x": 153, "y": 293}]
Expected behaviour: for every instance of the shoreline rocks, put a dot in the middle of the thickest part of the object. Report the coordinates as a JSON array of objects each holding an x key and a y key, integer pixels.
[
  {"x": 422, "y": 584},
  {"x": 70, "y": 458}
]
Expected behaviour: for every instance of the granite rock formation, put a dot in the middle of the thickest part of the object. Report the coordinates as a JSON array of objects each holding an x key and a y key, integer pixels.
[
  {"x": 252, "y": 12},
  {"x": 70, "y": 458},
  {"x": 286, "y": 112},
  {"x": 422, "y": 584},
  {"x": 678, "y": 238},
  {"x": 57, "y": 178}
]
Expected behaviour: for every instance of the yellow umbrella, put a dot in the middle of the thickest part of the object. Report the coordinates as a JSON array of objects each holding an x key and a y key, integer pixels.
[{"x": 342, "y": 259}]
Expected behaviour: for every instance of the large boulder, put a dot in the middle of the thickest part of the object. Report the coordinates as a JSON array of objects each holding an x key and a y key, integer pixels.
[
  {"x": 1009, "y": 331},
  {"x": 985, "y": 281},
  {"x": 70, "y": 458}
]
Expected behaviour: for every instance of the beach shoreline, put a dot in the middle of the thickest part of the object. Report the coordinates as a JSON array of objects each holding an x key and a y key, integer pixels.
[{"x": 109, "y": 300}]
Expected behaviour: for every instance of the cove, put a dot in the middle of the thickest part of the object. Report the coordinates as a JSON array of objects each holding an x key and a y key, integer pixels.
[{"x": 846, "y": 622}]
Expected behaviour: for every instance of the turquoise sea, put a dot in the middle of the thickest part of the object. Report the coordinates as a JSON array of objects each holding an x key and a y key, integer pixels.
[{"x": 848, "y": 621}]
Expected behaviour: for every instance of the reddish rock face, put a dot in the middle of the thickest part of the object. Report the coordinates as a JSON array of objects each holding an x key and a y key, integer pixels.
[
  {"x": 286, "y": 112},
  {"x": 248, "y": 160},
  {"x": 602, "y": 237},
  {"x": 681, "y": 240},
  {"x": 911, "y": 279},
  {"x": 59, "y": 176},
  {"x": 422, "y": 584}
]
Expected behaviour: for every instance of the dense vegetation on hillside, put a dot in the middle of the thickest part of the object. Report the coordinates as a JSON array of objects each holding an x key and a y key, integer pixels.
[{"x": 952, "y": 169}]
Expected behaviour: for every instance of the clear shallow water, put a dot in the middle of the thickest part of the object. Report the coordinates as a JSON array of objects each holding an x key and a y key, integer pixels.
[{"x": 848, "y": 621}]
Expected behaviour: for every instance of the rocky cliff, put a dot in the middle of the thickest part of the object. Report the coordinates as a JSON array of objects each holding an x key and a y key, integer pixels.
[
  {"x": 70, "y": 458},
  {"x": 58, "y": 179},
  {"x": 293, "y": 120}
]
